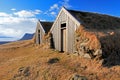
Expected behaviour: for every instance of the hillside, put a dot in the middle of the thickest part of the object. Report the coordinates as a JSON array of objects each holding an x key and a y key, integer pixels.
[
  {"x": 24, "y": 60},
  {"x": 27, "y": 36},
  {"x": 4, "y": 42}
]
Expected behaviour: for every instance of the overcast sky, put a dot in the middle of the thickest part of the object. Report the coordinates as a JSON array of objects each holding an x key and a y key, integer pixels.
[{"x": 18, "y": 17}]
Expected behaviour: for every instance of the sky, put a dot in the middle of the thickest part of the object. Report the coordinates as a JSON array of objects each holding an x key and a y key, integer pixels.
[{"x": 18, "y": 17}]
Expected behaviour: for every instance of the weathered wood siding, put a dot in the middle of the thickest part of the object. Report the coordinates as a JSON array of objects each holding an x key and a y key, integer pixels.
[
  {"x": 70, "y": 30},
  {"x": 42, "y": 33},
  {"x": 71, "y": 35}
]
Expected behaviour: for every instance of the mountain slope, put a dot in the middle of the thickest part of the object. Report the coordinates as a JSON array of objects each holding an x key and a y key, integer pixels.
[
  {"x": 27, "y": 36},
  {"x": 4, "y": 42},
  {"x": 22, "y": 60}
]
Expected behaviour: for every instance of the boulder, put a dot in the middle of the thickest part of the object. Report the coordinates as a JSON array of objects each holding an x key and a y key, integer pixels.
[{"x": 78, "y": 77}]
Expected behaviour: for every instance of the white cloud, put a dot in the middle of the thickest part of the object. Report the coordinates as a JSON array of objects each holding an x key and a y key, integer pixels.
[
  {"x": 13, "y": 9},
  {"x": 16, "y": 25},
  {"x": 55, "y": 6},
  {"x": 2, "y": 14},
  {"x": 14, "y": 20},
  {"x": 17, "y": 30},
  {"x": 66, "y": 4},
  {"x": 53, "y": 13},
  {"x": 9, "y": 32},
  {"x": 43, "y": 20},
  {"x": 37, "y": 11},
  {"x": 24, "y": 13}
]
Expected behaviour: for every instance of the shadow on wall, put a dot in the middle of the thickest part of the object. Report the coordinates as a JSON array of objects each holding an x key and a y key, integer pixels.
[
  {"x": 52, "y": 45},
  {"x": 111, "y": 50}
]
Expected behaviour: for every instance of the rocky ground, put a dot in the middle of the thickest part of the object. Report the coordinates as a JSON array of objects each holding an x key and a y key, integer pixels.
[{"x": 25, "y": 61}]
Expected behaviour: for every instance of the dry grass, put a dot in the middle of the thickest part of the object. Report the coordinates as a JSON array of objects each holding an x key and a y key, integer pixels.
[
  {"x": 105, "y": 43},
  {"x": 87, "y": 43},
  {"x": 96, "y": 21},
  {"x": 30, "y": 62},
  {"x": 89, "y": 37}
]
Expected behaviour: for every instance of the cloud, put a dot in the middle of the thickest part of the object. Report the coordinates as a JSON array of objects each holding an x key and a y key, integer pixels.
[
  {"x": 17, "y": 30},
  {"x": 5, "y": 37},
  {"x": 2, "y": 14},
  {"x": 13, "y": 9},
  {"x": 37, "y": 11},
  {"x": 25, "y": 13},
  {"x": 66, "y": 4},
  {"x": 53, "y": 13},
  {"x": 53, "y": 7},
  {"x": 9, "y": 32},
  {"x": 15, "y": 25},
  {"x": 43, "y": 20},
  {"x": 14, "y": 20}
]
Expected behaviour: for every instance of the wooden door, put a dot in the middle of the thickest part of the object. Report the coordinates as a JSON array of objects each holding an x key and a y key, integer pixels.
[
  {"x": 63, "y": 40},
  {"x": 38, "y": 36}
]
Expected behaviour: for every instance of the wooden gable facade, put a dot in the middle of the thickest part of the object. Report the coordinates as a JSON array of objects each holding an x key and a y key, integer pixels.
[
  {"x": 42, "y": 29},
  {"x": 63, "y": 31}
]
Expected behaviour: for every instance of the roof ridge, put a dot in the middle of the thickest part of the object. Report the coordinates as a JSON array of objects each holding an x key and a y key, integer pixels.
[
  {"x": 96, "y": 20},
  {"x": 97, "y": 13},
  {"x": 46, "y": 26}
]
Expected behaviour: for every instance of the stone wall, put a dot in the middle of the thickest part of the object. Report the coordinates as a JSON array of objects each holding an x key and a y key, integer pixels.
[
  {"x": 87, "y": 43},
  {"x": 103, "y": 45}
]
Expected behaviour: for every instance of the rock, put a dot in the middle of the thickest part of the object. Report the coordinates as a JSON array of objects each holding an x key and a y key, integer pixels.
[
  {"x": 78, "y": 77},
  {"x": 81, "y": 53},
  {"x": 98, "y": 52},
  {"x": 22, "y": 74},
  {"x": 26, "y": 71},
  {"x": 87, "y": 56},
  {"x": 53, "y": 60},
  {"x": 93, "y": 76}
]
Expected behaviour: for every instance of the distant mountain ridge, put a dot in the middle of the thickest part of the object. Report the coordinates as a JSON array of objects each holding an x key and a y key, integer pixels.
[
  {"x": 5, "y": 37},
  {"x": 27, "y": 36},
  {"x": 3, "y": 42}
]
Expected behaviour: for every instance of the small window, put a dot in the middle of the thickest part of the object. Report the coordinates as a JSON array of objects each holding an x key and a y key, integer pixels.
[
  {"x": 63, "y": 25},
  {"x": 38, "y": 31}
]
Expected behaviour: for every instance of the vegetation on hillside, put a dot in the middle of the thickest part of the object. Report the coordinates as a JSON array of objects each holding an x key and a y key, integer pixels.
[{"x": 24, "y": 60}]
